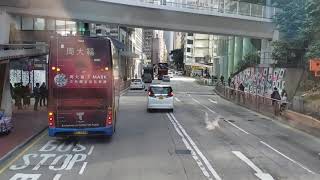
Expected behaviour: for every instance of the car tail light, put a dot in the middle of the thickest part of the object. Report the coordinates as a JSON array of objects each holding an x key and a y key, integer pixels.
[
  {"x": 51, "y": 119},
  {"x": 170, "y": 94},
  {"x": 109, "y": 117}
]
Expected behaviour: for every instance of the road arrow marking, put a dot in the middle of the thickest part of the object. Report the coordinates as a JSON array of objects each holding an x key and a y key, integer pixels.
[{"x": 261, "y": 175}]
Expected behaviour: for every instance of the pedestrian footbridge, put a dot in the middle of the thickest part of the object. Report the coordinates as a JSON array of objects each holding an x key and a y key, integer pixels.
[{"x": 223, "y": 17}]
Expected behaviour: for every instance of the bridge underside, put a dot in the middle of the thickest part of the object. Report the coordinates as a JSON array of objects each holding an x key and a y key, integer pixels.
[{"x": 105, "y": 12}]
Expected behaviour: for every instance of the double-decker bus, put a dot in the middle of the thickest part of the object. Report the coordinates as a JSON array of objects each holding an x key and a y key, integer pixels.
[
  {"x": 83, "y": 84},
  {"x": 163, "y": 69}
]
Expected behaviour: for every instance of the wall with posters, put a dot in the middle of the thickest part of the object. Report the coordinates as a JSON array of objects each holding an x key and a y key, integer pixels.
[{"x": 263, "y": 79}]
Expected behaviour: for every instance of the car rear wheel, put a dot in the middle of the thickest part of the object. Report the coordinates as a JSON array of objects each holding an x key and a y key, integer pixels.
[{"x": 149, "y": 110}]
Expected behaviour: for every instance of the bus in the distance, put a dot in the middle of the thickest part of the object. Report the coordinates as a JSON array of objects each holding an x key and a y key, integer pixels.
[
  {"x": 83, "y": 86},
  {"x": 163, "y": 69}
]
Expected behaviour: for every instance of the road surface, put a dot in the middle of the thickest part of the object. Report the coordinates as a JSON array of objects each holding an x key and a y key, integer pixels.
[{"x": 204, "y": 138}]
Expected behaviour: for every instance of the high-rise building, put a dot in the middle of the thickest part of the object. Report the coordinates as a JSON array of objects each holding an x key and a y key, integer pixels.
[{"x": 147, "y": 43}]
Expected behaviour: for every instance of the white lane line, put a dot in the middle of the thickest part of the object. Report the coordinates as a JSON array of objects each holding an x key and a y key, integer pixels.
[
  {"x": 194, "y": 155},
  {"x": 214, "y": 102},
  {"x": 83, "y": 167},
  {"x": 177, "y": 99},
  {"x": 261, "y": 175},
  {"x": 237, "y": 127},
  {"x": 204, "y": 106},
  {"x": 299, "y": 164},
  {"x": 204, "y": 159},
  {"x": 90, "y": 150},
  {"x": 57, "y": 177}
]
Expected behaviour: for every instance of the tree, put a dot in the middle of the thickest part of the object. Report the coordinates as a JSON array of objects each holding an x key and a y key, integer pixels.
[
  {"x": 177, "y": 56},
  {"x": 249, "y": 60}
]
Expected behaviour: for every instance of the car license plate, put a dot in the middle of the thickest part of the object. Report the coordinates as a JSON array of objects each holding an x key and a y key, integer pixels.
[
  {"x": 161, "y": 97},
  {"x": 80, "y": 133}
]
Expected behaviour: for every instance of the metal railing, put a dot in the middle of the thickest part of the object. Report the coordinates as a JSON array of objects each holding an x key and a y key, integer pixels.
[
  {"x": 256, "y": 102},
  {"x": 14, "y": 51},
  {"x": 220, "y": 6}
]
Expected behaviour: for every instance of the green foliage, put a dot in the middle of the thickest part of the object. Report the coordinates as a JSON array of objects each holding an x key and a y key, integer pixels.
[
  {"x": 314, "y": 50},
  {"x": 177, "y": 56},
  {"x": 249, "y": 60},
  {"x": 298, "y": 22}
]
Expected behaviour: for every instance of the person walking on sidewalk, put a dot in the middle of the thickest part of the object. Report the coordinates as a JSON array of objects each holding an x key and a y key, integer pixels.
[
  {"x": 43, "y": 94},
  {"x": 222, "y": 79},
  {"x": 275, "y": 96},
  {"x": 229, "y": 81},
  {"x": 37, "y": 95}
]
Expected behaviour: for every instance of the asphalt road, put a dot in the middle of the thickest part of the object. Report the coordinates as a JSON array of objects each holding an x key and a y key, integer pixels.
[{"x": 204, "y": 138}]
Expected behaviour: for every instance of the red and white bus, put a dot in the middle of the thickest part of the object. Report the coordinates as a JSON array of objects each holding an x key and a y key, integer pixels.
[{"x": 83, "y": 84}]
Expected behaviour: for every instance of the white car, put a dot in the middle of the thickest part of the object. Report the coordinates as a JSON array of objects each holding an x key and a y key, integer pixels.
[
  {"x": 160, "y": 97},
  {"x": 180, "y": 73},
  {"x": 137, "y": 84}
]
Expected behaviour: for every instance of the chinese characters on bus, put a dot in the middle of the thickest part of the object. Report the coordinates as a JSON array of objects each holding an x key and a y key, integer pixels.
[{"x": 80, "y": 51}]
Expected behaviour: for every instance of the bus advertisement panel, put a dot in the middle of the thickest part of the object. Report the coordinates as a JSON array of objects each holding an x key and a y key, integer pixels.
[{"x": 82, "y": 98}]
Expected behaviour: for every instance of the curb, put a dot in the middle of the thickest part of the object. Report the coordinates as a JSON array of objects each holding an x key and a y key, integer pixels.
[{"x": 20, "y": 146}]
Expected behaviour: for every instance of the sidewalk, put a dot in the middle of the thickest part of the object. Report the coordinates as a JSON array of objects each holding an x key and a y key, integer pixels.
[
  {"x": 26, "y": 123},
  {"x": 263, "y": 105}
]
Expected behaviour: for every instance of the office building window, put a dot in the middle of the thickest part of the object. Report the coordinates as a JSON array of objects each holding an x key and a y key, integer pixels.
[
  {"x": 190, "y": 34},
  {"x": 27, "y": 23},
  {"x": 71, "y": 28},
  {"x": 189, "y": 41},
  {"x": 61, "y": 27},
  {"x": 39, "y": 23},
  {"x": 50, "y": 24},
  {"x": 188, "y": 49},
  {"x": 17, "y": 22}
]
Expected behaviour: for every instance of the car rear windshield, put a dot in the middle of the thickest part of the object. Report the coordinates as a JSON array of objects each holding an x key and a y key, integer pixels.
[
  {"x": 161, "y": 90},
  {"x": 136, "y": 80}
]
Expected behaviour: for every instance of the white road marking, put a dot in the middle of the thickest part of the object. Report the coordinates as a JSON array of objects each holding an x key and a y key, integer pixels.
[
  {"x": 204, "y": 159},
  {"x": 177, "y": 99},
  {"x": 57, "y": 176},
  {"x": 216, "y": 113},
  {"x": 204, "y": 106},
  {"x": 213, "y": 101},
  {"x": 83, "y": 167},
  {"x": 90, "y": 150},
  {"x": 237, "y": 127},
  {"x": 210, "y": 125},
  {"x": 261, "y": 175},
  {"x": 299, "y": 164}
]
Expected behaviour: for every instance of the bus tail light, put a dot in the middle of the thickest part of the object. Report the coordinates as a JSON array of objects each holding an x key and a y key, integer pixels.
[
  {"x": 51, "y": 119},
  {"x": 109, "y": 117}
]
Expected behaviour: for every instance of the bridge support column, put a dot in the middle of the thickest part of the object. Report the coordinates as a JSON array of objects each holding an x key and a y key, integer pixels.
[
  {"x": 266, "y": 52},
  {"x": 237, "y": 50},
  {"x": 231, "y": 55},
  {"x": 5, "y": 92}
]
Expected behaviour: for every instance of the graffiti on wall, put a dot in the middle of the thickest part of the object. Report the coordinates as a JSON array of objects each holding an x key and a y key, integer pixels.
[{"x": 261, "y": 80}]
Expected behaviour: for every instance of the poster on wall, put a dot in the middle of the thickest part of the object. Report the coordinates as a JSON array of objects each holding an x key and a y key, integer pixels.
[{"x": 281, "y": 74}]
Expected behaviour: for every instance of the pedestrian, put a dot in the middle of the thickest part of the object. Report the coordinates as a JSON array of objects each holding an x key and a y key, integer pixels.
[
  {"x": 275, "y": 95},
  {"x": 241, "y": 87},
  {"x": 284, "y": 101},
  {"x": 222, "y": 79},
  {"x": 241, "y": 93},
  {"x": 37, "y": 95},
  {"x": 229, "y": 81},
  {"x": 43, "y": 94}
]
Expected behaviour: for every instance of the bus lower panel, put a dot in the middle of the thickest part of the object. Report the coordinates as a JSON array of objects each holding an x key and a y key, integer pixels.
[{"x": 108, "y": 131}]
